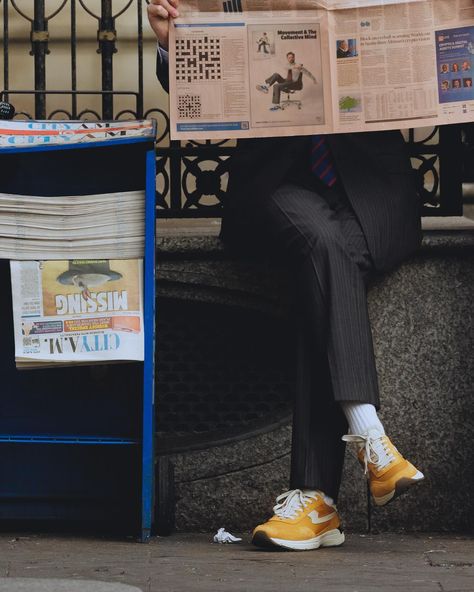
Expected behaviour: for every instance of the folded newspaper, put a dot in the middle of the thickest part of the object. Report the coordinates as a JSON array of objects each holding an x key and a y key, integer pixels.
[
  {"x": 271, "y": 68},
  {"x": 16, "y": 134},
  {"x": 77, "y": 311},
  {"x": 109, "y": 225}
]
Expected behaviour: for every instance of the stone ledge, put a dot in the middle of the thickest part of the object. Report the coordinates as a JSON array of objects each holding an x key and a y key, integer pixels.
[{"x": 203, "y": 240}]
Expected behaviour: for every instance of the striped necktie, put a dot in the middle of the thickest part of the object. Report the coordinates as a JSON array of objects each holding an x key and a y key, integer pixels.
[{"x": 322, "y": 163}]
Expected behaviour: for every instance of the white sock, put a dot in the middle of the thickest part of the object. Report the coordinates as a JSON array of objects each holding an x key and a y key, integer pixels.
[
  {"x": 361, "y": 417},
  {"x": 312, "y": 492}
]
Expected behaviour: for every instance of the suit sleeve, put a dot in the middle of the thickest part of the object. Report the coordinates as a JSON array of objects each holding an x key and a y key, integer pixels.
[{"x": 162, "y": 68}]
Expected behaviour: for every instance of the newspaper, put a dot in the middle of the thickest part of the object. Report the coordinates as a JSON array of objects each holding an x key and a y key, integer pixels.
[
  {"x": 271, "y": 68},
  {"x": 80, "y": 310},
  {"x": 107, "y": 225},
  {"x": 14, "y": 134}
]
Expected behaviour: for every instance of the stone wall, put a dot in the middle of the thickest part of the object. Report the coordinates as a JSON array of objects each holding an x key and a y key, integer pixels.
[{"x": 422, "y": 324}]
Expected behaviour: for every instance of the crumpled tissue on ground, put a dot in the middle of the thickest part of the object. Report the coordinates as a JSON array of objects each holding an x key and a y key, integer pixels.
[{"x": 222, "y": 536}]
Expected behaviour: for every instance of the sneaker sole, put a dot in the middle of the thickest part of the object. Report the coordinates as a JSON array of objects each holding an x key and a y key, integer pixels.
[
  {"x": 333, "y": 538},
  {"x": 401, "y": 486}
]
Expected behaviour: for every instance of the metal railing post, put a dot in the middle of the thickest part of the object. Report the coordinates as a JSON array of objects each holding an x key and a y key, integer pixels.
[
  {"x": 39, "y": 49},
  {"x": 106, "y": 36}
]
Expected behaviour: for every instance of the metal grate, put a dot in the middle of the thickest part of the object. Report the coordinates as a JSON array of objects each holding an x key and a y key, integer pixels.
[
  {"x": 220, "y": 375},
  {"x": 191, "y": 176}
]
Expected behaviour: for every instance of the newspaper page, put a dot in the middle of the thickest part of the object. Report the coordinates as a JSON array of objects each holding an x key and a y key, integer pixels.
[
  {"x": 404, "y": 65},
  {"x": 272, "y": 68},
  {"x": 80, "y": 310}
]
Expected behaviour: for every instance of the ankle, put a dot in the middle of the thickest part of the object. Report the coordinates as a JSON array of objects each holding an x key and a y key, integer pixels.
[
  {"x": 362, "y": 418},
  {"x": 317, "y": 492}
]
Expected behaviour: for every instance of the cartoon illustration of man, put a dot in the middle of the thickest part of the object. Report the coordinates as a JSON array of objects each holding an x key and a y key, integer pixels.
[{"x": 292, "y": 81}]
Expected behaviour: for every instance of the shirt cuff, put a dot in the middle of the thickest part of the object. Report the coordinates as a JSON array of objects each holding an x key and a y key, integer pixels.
[{"x": 163, "y": 55}]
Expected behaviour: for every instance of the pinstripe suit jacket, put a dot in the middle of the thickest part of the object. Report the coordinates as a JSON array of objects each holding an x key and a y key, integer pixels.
[{"x": 373, "y": 167}]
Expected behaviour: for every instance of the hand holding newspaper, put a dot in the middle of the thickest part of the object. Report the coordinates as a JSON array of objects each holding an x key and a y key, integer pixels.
[{"x": 270, "y": 68}]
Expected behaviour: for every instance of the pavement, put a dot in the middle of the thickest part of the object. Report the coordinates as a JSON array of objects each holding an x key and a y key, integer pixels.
[{"x": 191, "y": 562}]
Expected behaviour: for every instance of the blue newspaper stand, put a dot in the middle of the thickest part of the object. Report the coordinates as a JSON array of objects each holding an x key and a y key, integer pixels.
[{"x": 76, "y": 444}]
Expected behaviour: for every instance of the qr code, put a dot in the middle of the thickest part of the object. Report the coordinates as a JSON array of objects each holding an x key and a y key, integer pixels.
[
  {"x": 189, "y": 106},
  {"x": 198, "y": 59}
]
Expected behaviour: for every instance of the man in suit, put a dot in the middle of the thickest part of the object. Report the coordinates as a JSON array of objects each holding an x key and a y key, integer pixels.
[
  {"x": 293, "y": 80},
  {"x": 343, "y": 50},
  {"x": 337, "y": 208}
]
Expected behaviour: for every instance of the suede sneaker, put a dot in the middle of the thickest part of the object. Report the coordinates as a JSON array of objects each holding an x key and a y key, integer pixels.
[
  {"x": 302, "y": 520},
  {"x": 389, "y": 474}
]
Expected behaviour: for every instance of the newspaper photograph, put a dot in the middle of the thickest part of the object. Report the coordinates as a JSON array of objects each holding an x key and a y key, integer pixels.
[
  {"x": 273, "y": 69},
  {"x": 80, "y": 310}
]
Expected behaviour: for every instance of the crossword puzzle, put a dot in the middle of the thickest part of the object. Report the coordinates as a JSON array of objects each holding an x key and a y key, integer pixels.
[
  {"x": 189, "y": 106},
  {"x": 198, "y": 59}
]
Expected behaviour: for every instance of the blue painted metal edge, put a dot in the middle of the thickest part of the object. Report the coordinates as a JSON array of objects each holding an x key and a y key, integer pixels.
[
  {"x": 65, "y": 439},
  {"x": 78, "y": 146},
  {"x": 148, "y": 461}
]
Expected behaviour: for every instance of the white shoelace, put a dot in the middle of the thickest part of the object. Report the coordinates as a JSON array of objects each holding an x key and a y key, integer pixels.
[
  {"x": 376, "y": 449},
  {"x": 290, "y": 503}
]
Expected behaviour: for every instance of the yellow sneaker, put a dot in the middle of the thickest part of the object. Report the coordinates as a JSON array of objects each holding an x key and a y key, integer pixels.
[
  {"x": 389, "y": 474},
  {"x": 302, "y": 520}
]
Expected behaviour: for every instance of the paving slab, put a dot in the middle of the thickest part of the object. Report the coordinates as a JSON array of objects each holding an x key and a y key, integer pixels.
[
  {"x": 192, "y": 563},
  {"x": 57, "y": 585}
]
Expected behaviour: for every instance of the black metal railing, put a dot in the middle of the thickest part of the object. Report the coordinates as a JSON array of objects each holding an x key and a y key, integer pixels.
[{"x": 191, "y": 176}]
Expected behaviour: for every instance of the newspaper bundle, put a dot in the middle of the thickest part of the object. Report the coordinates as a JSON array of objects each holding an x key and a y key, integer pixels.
[
  {"x": 77, "y": 311},
  {"x": 62, "y": 227},
  {"x": 272, "y": 68}
]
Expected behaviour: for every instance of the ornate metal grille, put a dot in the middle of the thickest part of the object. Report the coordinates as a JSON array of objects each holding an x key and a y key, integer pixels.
[
  {"x": 192, "y": 176},
  {"x": 216, "y": 385}
]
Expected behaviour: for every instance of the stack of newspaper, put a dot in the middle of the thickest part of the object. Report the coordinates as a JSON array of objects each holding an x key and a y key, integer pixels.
[
  {"x": 76, "y": 260},
  {"x": 63, "y": 227}
]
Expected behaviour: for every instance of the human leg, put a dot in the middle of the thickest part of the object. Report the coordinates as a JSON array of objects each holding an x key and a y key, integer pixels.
[
  {"x": 273, "y": 79},
  {"x": 328, "y": 256},
  {"x": 294, "y": 218},
  {"x": 329, "y": 262},
  {"x": 280, "y": 87}
]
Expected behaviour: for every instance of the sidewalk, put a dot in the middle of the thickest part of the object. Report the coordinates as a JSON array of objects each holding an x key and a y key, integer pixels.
[{"x": 190, "y": 562}]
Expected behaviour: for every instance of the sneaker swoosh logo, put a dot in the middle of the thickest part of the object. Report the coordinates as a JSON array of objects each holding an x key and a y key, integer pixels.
[{"x": 316, "y": 519}]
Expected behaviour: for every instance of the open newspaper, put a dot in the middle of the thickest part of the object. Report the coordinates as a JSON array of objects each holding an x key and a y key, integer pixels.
[
  {"x": 80, "y": 310},
  {"x": 241, "y": 68}
]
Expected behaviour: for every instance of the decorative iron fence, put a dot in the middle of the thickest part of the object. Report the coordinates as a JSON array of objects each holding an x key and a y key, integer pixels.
[{"x": 191, "y": 176}]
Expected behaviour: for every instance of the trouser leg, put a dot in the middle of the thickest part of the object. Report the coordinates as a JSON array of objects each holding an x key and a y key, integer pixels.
[
  {"x": 279, "y": 84},
  {"x": 317, "y": 450},
  {"x": 274, "y": 78},
  {"x": 328, "y": 258},
  {"x": 279, "y": 88}
]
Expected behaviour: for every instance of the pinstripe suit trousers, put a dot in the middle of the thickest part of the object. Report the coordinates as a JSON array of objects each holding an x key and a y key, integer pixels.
[{"x": 318, "y": 235}]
